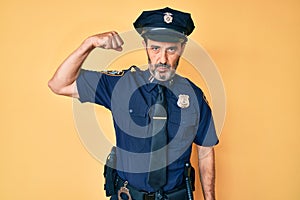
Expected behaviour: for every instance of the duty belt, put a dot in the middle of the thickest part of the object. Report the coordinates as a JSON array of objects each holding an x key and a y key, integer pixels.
[{"x": 176, "y": 194}]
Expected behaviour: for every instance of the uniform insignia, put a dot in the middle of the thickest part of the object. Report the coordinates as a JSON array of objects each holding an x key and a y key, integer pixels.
[
  {"x": 113, "y": 72},
  {"x": 168, "y": 17},
  {"x": 183, "y": 101}
]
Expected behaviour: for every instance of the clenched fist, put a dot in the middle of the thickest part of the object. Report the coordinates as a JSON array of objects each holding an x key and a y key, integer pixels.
[{"x": 108, "y": 40}]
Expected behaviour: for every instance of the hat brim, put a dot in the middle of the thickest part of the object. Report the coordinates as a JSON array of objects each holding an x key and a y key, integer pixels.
[{"x": 163, "y": 35}]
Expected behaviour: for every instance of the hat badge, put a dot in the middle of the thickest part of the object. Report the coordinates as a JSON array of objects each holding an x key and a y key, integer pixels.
[
  {"x": 168, "y": 17},
  {"x": 183, "y": 101}
]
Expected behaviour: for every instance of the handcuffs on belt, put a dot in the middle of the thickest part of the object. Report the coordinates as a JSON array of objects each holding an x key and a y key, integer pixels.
[{"x": 124, "y": 190}]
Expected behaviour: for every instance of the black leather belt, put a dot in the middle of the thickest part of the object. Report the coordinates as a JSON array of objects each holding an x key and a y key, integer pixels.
[
  {"x": 149, "y": 196},
  {"x": 176, "y": 194}
]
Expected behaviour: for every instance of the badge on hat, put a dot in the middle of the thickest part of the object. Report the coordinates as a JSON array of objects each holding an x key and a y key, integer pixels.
[
  {"x": 183, "y": 101},
  {"x": 168, "y": 17}
]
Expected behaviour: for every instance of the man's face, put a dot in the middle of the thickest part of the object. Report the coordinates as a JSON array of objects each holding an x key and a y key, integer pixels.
[{"x": 163, "y": 58}]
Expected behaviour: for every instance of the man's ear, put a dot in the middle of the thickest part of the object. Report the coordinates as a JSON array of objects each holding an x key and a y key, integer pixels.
[
  {"x": 144, "y": 43},
  {"x": 183, "y": 47}
]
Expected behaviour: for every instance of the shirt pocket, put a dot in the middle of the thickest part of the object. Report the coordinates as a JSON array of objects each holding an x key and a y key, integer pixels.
[
  {"x": 132, "y": 120},
  {"x": 183, "y": 118},
  {"x": 133, "y": 128},
  {"x": 183, "y": 124},
  {"x": 139, "y": 115}
]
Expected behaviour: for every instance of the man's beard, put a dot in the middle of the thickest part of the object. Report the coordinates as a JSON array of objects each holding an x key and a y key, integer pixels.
[
  {"x": 161, "y": 76},
  {"x": 169, "y": 74}
]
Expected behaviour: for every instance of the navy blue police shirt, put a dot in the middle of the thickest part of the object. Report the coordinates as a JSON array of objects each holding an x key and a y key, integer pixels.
[{"x": 129, "y": 95}]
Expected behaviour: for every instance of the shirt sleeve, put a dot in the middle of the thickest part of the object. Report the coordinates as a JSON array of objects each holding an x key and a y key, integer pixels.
[
  {"x": 206, "y": 134},
  {"x": 95, "y": 87}
]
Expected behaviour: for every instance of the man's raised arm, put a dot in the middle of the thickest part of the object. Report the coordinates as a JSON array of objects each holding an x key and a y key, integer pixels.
[{"x": 63, "y": 81}]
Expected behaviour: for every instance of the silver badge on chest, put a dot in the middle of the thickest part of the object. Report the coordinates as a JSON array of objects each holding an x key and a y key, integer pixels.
[{"x": 183, "y": 101}]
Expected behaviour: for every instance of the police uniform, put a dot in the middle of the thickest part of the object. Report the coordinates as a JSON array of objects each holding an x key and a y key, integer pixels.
[{"x": 131, "y": 93}]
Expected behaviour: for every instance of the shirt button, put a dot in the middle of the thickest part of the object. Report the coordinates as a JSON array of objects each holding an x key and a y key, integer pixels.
[{"x": 130, "y": 110}]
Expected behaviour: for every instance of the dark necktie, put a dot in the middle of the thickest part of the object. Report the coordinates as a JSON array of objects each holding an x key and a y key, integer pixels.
[{"x": 158, "y": 159}]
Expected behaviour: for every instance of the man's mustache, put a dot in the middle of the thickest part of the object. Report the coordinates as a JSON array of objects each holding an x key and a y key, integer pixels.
[{"x": 162, "y": 65}]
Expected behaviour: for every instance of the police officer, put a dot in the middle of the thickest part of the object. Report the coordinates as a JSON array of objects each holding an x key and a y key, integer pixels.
[{"x": 135, "y": 96}]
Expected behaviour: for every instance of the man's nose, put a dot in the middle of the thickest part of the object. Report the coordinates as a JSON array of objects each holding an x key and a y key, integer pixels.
[{"x": 163, "y": 57}]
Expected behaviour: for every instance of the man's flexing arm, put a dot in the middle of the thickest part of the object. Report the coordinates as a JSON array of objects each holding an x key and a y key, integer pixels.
[{"x": 63, "y": 81}]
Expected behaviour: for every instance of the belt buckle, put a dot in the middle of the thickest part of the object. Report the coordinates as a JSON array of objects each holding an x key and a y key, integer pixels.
[{"x": 149, "y": 196}]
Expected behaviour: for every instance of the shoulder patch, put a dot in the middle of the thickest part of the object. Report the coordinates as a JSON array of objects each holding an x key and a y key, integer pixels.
[{"x": 112, "y": 72}]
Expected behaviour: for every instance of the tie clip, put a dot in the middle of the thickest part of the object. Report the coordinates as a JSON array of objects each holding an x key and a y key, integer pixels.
[{"x": 159, "y": 117}]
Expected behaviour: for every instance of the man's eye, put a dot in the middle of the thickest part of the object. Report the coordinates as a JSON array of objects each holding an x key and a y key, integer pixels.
[
  {"x": 155, "y": 48},
  {"x": 171, "y": 50}
]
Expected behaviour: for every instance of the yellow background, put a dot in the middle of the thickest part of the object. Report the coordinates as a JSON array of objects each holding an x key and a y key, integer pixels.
[{"x": 254, "y": 43}]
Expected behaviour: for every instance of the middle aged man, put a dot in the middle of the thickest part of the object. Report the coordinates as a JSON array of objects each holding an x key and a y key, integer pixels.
[{"x": 157, "y": 114}]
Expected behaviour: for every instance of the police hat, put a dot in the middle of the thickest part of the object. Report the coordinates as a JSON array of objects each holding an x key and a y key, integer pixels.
[{"x": 164, "y": 25}]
